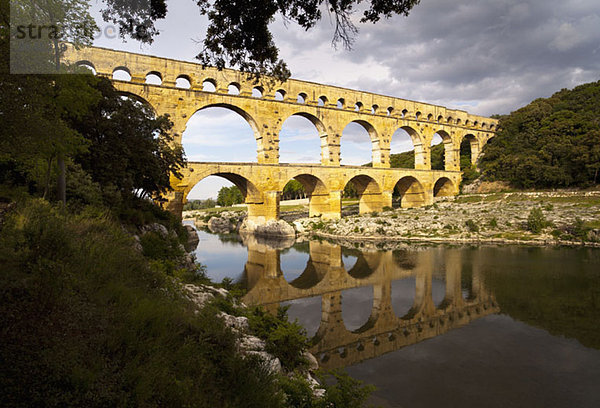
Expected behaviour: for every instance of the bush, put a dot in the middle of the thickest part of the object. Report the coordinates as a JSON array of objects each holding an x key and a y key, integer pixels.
[
  {"x": 493, "y": 223},
  {"x": 472, "y": 226},
  {"x": 536, "y": 221}
]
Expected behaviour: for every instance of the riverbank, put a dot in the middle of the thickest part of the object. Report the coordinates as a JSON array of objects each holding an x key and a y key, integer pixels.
[{"x": 522, "y": 218}]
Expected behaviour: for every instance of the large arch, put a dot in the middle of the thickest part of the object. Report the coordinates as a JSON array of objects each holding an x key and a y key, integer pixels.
[
  {"x": 450, "y": 158},
  {"x": 406, "y": 139},
  {"x": 469, "y": 147},
  {"x": 317, "y": 193},
  {"x": 368, "y": 192},
  {"x": 302, "y": 132},
  {"x": 249, "y": 191},
  {"x": 214, "y": 132},
  {"x": 410, "y": 191},
  {"x": 140, "y": 99},
  {"x": 372, "y": 143}
]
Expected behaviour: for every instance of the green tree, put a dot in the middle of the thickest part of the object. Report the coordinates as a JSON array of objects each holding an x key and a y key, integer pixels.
[
  {"x": 293, "y": 190},
  {"x": 229, "y": 196}
]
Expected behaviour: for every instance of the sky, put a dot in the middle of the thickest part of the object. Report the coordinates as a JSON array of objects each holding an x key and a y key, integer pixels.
[{"x": 484, "y": 56}]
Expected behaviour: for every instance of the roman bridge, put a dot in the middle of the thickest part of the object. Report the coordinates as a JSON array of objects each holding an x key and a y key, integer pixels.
[
  {"x": 384, "y": 331},
  {"x": 180, "y": 89}
]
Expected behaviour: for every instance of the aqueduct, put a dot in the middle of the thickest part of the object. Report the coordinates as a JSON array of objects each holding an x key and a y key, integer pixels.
[
  {"x": 181, "y": 91},
  {"x": 327, "y": 277}
]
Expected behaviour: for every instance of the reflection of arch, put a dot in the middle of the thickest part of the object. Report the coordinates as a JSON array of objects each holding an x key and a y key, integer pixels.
[
  {"x": 443, "y": 188},
  {"x": 411, "y": 191},
  {"x": 313, "y": 273},
  {"x": 366, "y": 263}
]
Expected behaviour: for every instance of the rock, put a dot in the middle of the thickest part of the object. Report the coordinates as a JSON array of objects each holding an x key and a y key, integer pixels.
[
  {"x": 238, "y": 323},
  {"x": 197, "y": 295},
  {"x": 220, "y": 225},
  {"x": 594, "y": 235},
  {"x": 137, "y": 244},
  {"x": 299, "y": 227},
  {"x": 157, "y": 228},
  {"x": 193, "y": 240},
  {"x": 251, "y": 343},
  {"x": 277, "y": 228},
  {"x": 272, "y": 363},
  {"x": 313, "y": 364}
]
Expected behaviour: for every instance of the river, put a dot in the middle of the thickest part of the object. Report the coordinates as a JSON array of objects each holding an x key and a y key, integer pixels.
[{"x": 449, "y": 326}]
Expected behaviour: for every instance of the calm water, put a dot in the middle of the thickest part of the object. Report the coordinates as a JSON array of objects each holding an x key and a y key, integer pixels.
[{"x": 435, "y": 325}]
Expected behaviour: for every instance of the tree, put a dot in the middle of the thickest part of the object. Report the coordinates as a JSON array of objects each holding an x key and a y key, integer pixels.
[
  {"x": 229, "y": 196},
  {"x": 293, "y": 190},
  {"x": 238, "y": 34}
]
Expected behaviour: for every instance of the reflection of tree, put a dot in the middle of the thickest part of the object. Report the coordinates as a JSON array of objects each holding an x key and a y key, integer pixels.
[
  {"x": 230, "y": 239},
  {"x": 565, "y": 303}
]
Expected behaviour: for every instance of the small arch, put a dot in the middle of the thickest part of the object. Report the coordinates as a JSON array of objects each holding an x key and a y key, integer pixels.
[
  {"x": 390, "y": 110},
  {"x": 121, "y": 74},
  {"x": 492, "y": 126},
  {"x": 449, "y": 119},
  {"x": 183, "y": 81},
  {"x": 358, "y": 106},
  {"x": 374, "y": 109},
  {"x": 340, "y": 103},
  {"x": 209, "y": 85},
  {"x": 301, "y": 98},
  {"x": 467, "y": 122},
  {"x": 87, "y": 65},
  {"x": 410, "y": 192},
  {"x": 475, "y": 123},
  {"x": 280, "y": 95},
  {"x": 458, "y": 121},
  {"x": 249, "y": 191},
  {"x": 257, "y": 92},
  {"x": 418, "y": 115},
  {"x": 440, "y": 119},
  {"x": 484, "y": 125},
  {"x": 322, "y": 101},
  {"x": 154, "y": 78},
  {"x": 233, "y": 88},
  {"x": 430, "y": 117},
  {"x": 404, "y": 113},
  {"x": 443, "y": 187}
]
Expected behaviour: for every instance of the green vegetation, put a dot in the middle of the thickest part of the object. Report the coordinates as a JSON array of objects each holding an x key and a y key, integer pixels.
[
  {"x": 229, "y": 196},
  {"x": 293, "y": 190},
  {"x": 536, "y": 221},
  {"x": 549, "y": 143},
  {"x": 472, "y": 226},
  {"x": 199, "y": 204}
]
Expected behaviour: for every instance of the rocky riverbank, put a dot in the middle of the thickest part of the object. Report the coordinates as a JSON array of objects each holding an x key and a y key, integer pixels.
[{"x": 532, "y": 218}]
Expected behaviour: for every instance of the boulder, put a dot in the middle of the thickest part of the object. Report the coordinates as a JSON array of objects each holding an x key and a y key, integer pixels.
[
  {"x": 193, "y": 240},
  {"x": 218, "y": 225},
  {"x": 272, "y": 228},
  {"x": 272, "y": 363}
]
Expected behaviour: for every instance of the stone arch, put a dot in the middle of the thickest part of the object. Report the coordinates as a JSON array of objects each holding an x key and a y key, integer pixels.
[
  {"x": 180, "y": 82},
  {"x": 322, "y": 101},
  {"x": 249, "y": 190},
  {"x": 420, "y": 160},
  {"x": 279, "y": 95},
  {"x": 473, "y": 142},
  {"x": 411, "y": 192},
  {"x": 316, "y": 191},
  {"x": 209, "y": 85},
  {"x": 258, "y": 92},
  {"x": 444, "y": 187},
  {"x": 368, "y": 192},
  {"x": 121, "y": 68},
  {"x": 450, "y": 154},
  {"x": 375, "y": 147},
  {"x": 253, "y": 124},
  {"x": 321, "y": 133},
  {"x": 234, "y": 88},
  {"x": 302, "y": 98},
  {"x": 87, "y": 64},
  {"x": 154, "y": 78},
  {"x": 140, "y": 99}
]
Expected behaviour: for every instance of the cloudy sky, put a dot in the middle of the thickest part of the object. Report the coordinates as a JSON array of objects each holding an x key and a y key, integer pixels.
[{"x": 484, "y": 56}]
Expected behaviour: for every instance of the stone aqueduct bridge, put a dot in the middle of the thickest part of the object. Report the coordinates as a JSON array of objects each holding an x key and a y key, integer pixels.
[
  {"x": 326, "y": 276},
  {"x": 267, "y": 104}
]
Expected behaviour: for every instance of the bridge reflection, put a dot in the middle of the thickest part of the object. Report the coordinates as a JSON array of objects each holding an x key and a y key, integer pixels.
[{"x": 325, "y": 275}]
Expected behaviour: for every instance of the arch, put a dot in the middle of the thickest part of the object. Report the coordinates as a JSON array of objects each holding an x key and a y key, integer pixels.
[
  {"x": 234, "y": 88},
  {"x": 209, "y": 85},
  {"x": 358, "y": 106},
  {"x": 404, "y": 113},
  {"x": 154, "y": 78},
  {"x": 448, "y": 159},
  {"x": 301, "y": 98},
  {"x": 121, "y": 73},
  {"x": 390, "y": 110},
  {"x": 183, "y": 81},
  {"x": 449, "y": 119},
  {"x": 356, "y": 140},
  {"x": 410, "y": 192},
  {"x": 418, "y": 115},
  {"x": 357, "y": 308},
  {"x": 279, "y": 95},
  {"x": 458, "y": 121},
  {"x": 86, "y": 64},
  {"x": 374, "y": 109},
  {"x": 300, "y": 139},
  {"x": 430, "y": 117},
  {"x": 340, "y": 103},
  {"x": 213, "y": 135},
  {"x": 139, "y": 99},
  {"x": 469, "y": 151},
  {"x": 444, "y": 187},
  {"x": 403, "y": 293},
  {"x": 257, "y": 92},
  {"x": 366, "y": 263},
  {"x": 317, "y": 193},
  {"x": 322, "y": 101},
  {"x": 368, "y": 192},
  {"x": 249, "y": 191},
  {"x": 467, "y": 122},
  {"x": 408, "y": 134}
]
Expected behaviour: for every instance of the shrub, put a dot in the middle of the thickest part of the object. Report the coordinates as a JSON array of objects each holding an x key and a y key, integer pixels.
[
  {"x": 472, "y": 226},
  {"x": 388, "y": 208},
  {"x": 493, "y": 223},
  {"x": 536, "y": 221}
]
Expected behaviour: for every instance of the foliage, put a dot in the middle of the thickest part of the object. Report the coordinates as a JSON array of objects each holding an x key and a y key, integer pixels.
[
  {"x": 293, "y": 190},
  {"x": 549, "y": 143},
  {"x": 229, "y": 196},
  {"x": 346, "y": 392},
  {"x": 93, "y": 324},
  {"x": 199, "y": 204},
  {"x": 472, "y": 226},
  {"x": 286, "y": 341},
  {"x": 536, "y": 221},
  {"x": 238, "y": 33},
  {"x": 406, "y": 160}
]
